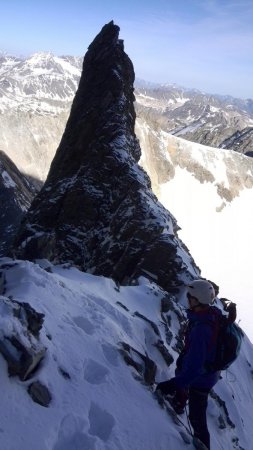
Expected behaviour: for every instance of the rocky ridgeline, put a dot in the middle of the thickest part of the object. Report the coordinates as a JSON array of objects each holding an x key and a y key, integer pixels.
[
  {"x": 212, "y": 120},
  {"x": 20, "y": 343},
  {"x": 96, "y": 209},
  {"x": 204, "y": 163},
  {"x": 16, "y": 194}
]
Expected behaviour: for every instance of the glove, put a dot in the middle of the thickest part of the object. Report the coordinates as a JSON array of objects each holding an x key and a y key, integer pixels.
[
  {"x": 167, "y": 387},
  {"x": 231, "y": 309},
  {"x": 180, "y": 400},
  {"x": 177, "y": 396}
]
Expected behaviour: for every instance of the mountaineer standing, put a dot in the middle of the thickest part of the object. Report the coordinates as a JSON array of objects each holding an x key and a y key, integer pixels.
[{"x": 192, "y": 379}]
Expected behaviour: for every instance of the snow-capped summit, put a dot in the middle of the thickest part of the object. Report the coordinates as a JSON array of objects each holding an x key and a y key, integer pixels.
[
  {"x": 40, "y": 58},
  {"x": 47, "y": 63}
]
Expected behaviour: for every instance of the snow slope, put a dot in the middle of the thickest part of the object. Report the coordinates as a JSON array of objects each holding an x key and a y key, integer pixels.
[
  {"x": 210, "y": 192},
  {"x": 100, "y": 403},
  {"x": 220, "y": 242}
]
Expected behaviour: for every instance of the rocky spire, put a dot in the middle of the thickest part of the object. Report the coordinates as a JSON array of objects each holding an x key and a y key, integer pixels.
[
  {"x": 96, "y": 209},
  {"x": 102, "y": 115}
]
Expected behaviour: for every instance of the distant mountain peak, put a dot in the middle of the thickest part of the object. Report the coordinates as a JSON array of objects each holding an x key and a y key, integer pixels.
[{"x": 39, "y": 57}]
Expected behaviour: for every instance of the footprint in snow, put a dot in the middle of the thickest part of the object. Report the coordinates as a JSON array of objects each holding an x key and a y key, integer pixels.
[
  {"x": 77, "y": 441},
  {"x": 101, "y": 422},
  {"x": 84, "y": 324},
  {"x": 72, "y": 435},
  {"x": 94, "y": 372},
  {"x": 111, "y": 354}
]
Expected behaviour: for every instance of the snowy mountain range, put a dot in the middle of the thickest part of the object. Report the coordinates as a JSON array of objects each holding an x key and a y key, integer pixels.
[
  {"x": 35, "y": 98},
  {"x": 43, "y": 83},
  {"x": 36, "y": 95},
  {"x": 213, "y": 120}
]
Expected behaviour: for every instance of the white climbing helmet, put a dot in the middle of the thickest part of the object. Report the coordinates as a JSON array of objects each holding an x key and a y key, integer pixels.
[{"x": 202, "y": 290}]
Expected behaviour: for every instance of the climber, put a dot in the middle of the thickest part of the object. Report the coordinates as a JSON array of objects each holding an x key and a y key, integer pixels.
[{"x": 192, "y": 381}]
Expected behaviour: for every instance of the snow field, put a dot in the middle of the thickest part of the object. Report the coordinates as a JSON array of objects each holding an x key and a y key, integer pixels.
[{"x": 98, "y": 402}]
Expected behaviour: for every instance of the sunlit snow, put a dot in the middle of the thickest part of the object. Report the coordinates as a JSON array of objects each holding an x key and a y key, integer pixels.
[
  {"x": 98, "y": 403},
  {"x": 220, "y": 242}
]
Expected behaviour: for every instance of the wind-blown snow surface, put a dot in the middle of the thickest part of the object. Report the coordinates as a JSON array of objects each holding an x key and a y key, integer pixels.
[
  {"x": 210, "y": 193},
  {"x": 102, "y": 405}
]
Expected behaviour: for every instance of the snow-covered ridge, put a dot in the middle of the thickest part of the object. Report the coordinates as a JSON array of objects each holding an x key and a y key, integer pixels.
[{"x": 99, "y": 402}]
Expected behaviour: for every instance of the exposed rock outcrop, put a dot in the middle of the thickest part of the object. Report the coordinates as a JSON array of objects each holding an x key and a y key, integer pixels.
[
  {"x": 16, "y": 194},
  {"x": 96, "y": 209},
  {"x": 39, "y": 393},
  {"x": 20, "y": 325}
]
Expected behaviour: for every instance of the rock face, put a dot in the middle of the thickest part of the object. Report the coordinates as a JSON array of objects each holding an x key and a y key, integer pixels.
[
  {"x": 96, "y": 209},
  {"x": 16, "y": 194},
  {"x": 20, "y": 347},
  {"x": 40, "y": 393}
]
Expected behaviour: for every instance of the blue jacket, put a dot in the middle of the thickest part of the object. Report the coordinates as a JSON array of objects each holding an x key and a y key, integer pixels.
[{"x": 200, "y": 346}]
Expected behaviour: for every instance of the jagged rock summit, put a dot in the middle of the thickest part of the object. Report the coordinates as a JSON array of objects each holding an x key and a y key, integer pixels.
[{"x": 96, "y": 209}]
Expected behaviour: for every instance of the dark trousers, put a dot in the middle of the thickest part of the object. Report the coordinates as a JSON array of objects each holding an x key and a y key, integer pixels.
[{"x": 198, "y": 399}]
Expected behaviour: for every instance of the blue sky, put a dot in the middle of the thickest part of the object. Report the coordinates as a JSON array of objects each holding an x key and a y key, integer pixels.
[{"x": 203, "y": 44}]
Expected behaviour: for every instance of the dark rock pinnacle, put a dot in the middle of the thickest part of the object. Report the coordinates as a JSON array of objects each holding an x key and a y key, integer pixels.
[{"x": 96, "y": 209}]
